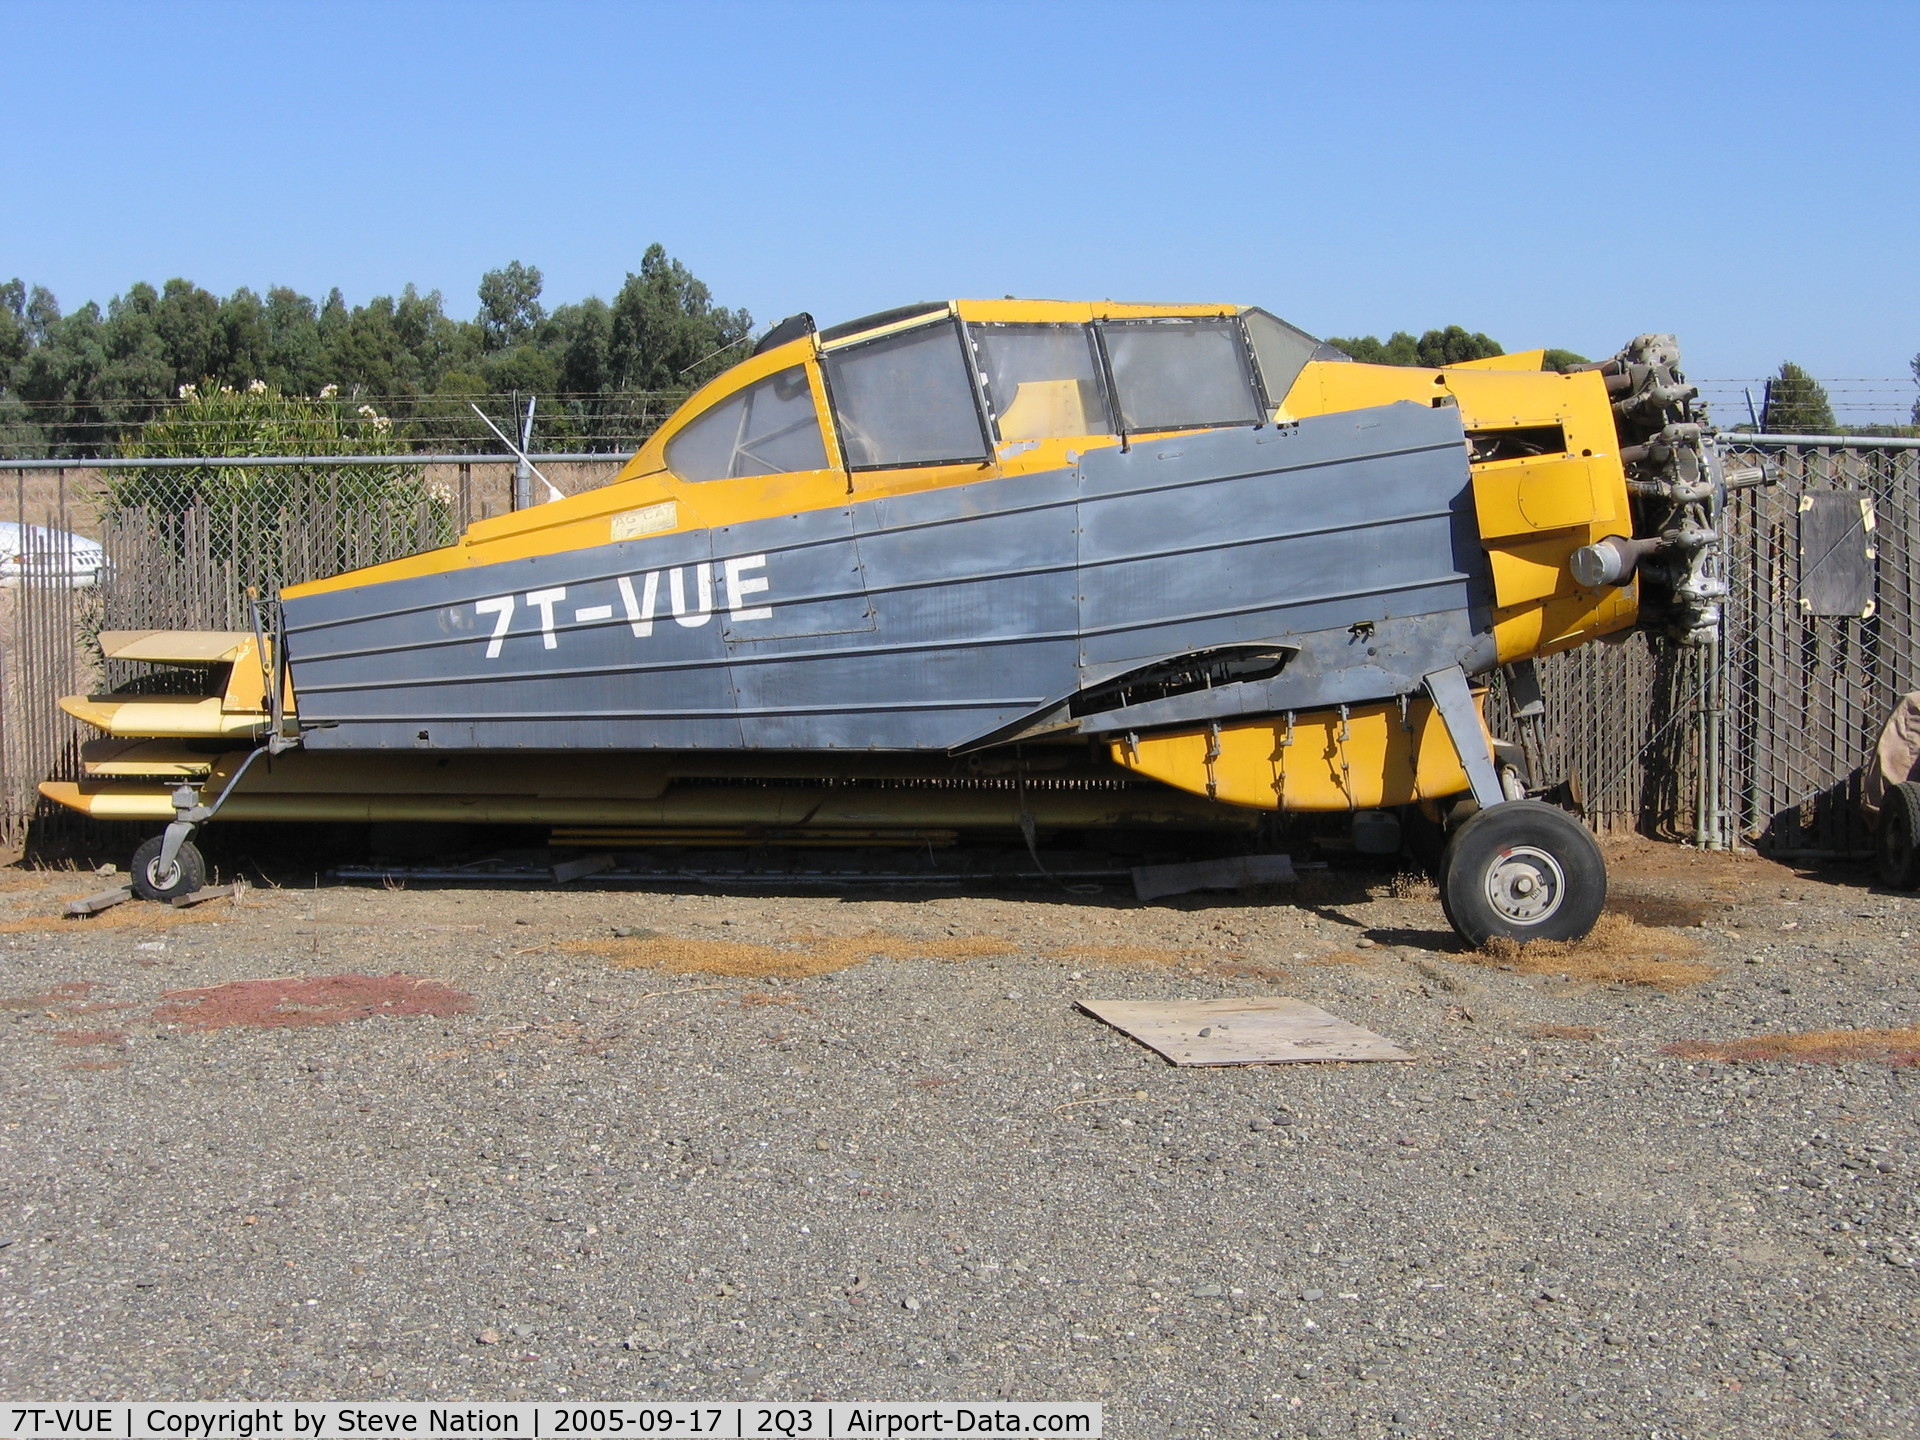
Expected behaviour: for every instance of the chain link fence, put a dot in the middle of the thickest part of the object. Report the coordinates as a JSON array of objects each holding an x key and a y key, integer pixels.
[
  {"x": 1822, "y": 635},
  {"x": 1759, "y": 740},
  {"x": 1755, "y": 741},
  {"x": 98, "y": 546}
]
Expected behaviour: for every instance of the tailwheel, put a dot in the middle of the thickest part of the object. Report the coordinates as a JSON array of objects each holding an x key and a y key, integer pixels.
[
  {"x": 1525, "y": 871},
  {"x": 1899, "y": 853},
  {"x": 187, "y": 874}
]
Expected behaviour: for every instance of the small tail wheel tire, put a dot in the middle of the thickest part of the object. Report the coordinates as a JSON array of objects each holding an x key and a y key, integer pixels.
[
  {"x": 1899, "y": 852},
  {"x": 188, "y": 873},
  {"x": 1525, "y": 871}
]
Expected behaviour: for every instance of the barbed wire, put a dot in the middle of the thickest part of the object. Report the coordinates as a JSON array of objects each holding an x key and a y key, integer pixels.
[{"x": 620, "y": 421}]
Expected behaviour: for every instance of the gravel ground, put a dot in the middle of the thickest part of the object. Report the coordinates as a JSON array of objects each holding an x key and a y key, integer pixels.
[{"x": 927, "y": 1175}]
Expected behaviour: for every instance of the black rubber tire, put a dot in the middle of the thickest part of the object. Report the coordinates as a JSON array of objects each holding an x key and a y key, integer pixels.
[
  {"x": 1525, "y": 871},
  {"x": 189, "y": 871},
  {"x": 1899, "y": 850}
]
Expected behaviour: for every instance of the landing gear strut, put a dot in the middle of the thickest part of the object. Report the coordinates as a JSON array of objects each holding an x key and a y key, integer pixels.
[
  {"x": 170, "y": 864},
  {"x": 1519, "y": 869}
]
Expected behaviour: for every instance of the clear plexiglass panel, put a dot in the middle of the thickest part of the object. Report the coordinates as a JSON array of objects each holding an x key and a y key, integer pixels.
[
  {"x": 1180, "y": 374},
  {"x": 1280, "y": 350},
  {"x": 906, "y": 399},
  {"x": 769, "y": 428},
  {"x": 1042, "y": 381}
]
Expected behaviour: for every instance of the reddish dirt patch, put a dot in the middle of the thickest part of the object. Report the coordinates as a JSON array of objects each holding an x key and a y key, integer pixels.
[
  {"x": 61, "y": 997},
  {"x": 115, "y": 1038},
  {"x": 300, "y": 1000},
  {"x": 1640, "y": 859},
  {"x": 1813, "y": 1047}
]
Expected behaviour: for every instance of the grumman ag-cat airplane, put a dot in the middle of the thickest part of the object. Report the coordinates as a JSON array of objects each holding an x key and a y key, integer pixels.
[{"x": 986, "y": 565}]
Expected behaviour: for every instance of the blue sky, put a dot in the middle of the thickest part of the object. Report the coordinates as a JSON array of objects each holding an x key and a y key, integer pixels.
[{"x": 1744, "y": 175}]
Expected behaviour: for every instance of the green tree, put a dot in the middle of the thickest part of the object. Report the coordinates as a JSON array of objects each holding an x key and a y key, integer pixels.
[
  {"x": 1796, "y": 404},
  {"x": 583, "y": 335},
  {"x": 665, "y": 330},
  {"x": 77, "y": 384},
  {"x": 188, "y": 321},
  {"x": 13, "y": 328},
  {"x": 18, "y": 433},
  {"x": 61, "y": 375},
  {"x": 243, "y": 341},
  {"x": 509, "y": 305},
  {"x": 293, "y": 343},
  {"x": 1914, "y": 366},
  {"x": 1437, "y": 347}
]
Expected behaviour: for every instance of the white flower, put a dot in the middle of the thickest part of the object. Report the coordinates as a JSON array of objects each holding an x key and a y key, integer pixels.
[
  {"x": 367, "y": 412},
  {"x": 382, "y": 424},
  {"x": 226, "y": 389},
  {"x": 328, "y": 392},
  {"x": 257, "y": 387},
  {"x": 187, "y": 392}
]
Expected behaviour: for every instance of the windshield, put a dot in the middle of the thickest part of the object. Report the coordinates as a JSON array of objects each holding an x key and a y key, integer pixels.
[{"x": 768, "y": 428}]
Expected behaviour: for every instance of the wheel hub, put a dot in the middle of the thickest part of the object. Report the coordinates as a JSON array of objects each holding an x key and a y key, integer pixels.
[{"x": 1526, "y": 885}]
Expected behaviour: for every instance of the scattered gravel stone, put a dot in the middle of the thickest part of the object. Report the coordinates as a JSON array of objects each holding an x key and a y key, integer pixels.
[{"x": 604, "y": 1181}]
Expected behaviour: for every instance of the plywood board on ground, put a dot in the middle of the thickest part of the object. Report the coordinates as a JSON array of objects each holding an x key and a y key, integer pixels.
[{"x": 1252, "y": 1030}]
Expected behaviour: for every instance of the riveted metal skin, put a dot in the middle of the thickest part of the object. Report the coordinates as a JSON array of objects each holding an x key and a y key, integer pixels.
[{"x": 928, "y": 620}]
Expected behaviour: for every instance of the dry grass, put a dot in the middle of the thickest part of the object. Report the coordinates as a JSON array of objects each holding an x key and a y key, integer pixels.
[
  {"x": 129, "y": 915},
  {"x": 1620, "y": 951},
  {"x": 1814, "y": 1047},
  {"x": 13, "y": 878}
]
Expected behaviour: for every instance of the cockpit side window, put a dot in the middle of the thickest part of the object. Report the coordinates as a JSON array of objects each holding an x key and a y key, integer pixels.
[
  {"x": 906, "y": 399},
  {"x": 1042, "y": 381},
  {"x": 1179, "y": 374},
  {"x": 767, "y": 428},
  {"x": 1280, "y": 350}
]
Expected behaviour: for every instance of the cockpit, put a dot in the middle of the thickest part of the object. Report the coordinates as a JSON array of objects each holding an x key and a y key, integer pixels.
[{"x": 960, "y": 383}]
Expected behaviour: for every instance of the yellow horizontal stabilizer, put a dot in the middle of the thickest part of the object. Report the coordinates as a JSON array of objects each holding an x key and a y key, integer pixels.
[
  {"x": 131, "y": 803},
  {"x": 172, "y": 759},
  {"x": 174, "y": 647},
  {"x": 1519, "y": 360},
  {"x": 162, "y": 717}
]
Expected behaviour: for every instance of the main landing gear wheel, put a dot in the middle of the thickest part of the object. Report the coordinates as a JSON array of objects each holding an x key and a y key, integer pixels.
[
  {"x": 1900, "y": 836},
  {"x": 189, "y": 872},
  {"x": 1525, "y": 871}
]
